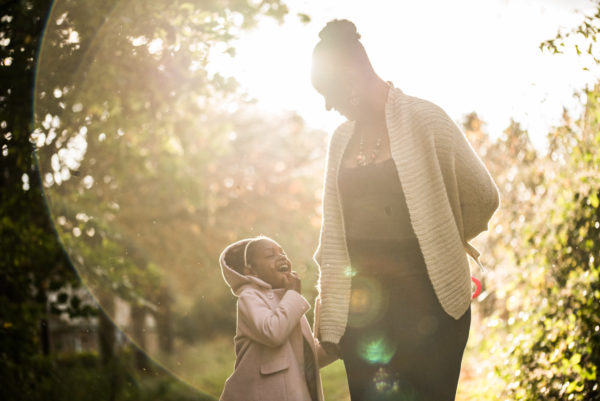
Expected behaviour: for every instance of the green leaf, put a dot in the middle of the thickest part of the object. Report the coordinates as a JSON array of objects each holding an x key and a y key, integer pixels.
[
  {"x": 304, "y": 18},
  {"x": 593, "y": 200}
]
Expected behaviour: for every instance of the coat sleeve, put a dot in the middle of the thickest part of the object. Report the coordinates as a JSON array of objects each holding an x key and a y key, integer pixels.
[{"x": 268, "y": 326}]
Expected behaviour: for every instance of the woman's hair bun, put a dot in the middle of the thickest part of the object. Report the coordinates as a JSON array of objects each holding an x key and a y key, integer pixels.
[{"x": 339, "y": 30}]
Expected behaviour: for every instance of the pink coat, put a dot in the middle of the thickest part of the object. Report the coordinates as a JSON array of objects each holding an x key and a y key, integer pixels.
[{"x": 269, "y": 342}]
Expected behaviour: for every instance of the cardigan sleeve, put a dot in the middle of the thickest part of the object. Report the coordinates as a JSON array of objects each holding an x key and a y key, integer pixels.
[
  {"x": 478, "y": 193},
  {"x": 317, "y": 254},
  {"x": 331, "y": 255},
  {"x": 328, "y": 179}
]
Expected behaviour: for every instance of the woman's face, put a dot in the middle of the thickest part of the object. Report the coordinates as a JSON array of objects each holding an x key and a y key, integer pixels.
[
  {"x": 270, "y": 263},
  {"x": 338, "y": 99},
  {"x": 333, "y": 84}
]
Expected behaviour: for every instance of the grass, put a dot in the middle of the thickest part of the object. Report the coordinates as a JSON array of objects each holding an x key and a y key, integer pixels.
[
  {"x": 206, "y": 366},
  {"x": 83, "y": 377},
  {"x": 335, "y": 385}
]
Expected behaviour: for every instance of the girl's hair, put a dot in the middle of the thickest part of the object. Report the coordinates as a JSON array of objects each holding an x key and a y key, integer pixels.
[{"x": 234, "y": 258}]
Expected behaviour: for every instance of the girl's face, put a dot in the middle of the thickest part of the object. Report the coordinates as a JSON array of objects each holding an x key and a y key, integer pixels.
[{"x": 270, "y": 263}]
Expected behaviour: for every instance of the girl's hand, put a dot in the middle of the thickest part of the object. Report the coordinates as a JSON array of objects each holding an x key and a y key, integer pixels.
[
  {"x": 294, "y": 282},
  {"x": 333, "y": 350}
]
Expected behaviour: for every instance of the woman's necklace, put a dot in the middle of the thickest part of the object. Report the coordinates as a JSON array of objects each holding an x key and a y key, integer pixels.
[{"x": 364, "y": 158}]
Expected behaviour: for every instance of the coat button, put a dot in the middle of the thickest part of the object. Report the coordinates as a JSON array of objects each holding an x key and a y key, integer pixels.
[{"x": 270, "y": 295}]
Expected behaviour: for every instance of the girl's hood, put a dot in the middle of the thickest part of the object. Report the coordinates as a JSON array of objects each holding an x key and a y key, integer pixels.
[{"x": 234, "y": 279}]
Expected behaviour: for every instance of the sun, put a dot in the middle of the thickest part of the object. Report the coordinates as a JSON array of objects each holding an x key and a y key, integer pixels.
[{"x": 272, "y": 64}]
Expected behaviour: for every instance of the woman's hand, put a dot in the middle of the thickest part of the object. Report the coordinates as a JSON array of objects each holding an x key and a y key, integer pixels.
[{"x": 294, "y": 282}]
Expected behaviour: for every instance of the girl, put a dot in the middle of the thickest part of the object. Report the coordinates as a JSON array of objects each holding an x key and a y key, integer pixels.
[{"x": 277, "y": 357}]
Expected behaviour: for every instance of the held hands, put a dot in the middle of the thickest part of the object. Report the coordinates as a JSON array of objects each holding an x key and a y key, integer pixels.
[
  {"x": 332, "y": 349},
  {"x": 294, "y": 282}
]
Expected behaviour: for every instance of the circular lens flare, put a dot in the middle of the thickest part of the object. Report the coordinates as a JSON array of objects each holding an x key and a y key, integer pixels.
[
  {"x": 388, "y": 386},
  {"x": 368, "y": 301},
  {"x": 148, "y": 171},
  {"x": 376, "y": 349}
]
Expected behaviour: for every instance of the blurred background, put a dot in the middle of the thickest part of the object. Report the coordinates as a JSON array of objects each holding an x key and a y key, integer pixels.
[{"x": 140, "y": 138}]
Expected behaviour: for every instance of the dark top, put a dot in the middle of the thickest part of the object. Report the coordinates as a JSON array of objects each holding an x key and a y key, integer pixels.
[
  {"x": 379, "y": 235},
  {"x": 373, "y": 202}
]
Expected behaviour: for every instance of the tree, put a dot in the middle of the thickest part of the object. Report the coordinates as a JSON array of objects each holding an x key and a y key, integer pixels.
[
  {"x": 541, "y": 329},
  {"x": 31, "y": 262},
  {"x": 91, "y": 104}
]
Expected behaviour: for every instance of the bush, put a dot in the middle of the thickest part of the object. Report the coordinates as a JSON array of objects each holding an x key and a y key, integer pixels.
[
  {"x": 556, "y": 354},
  {"x": 82, "y": 377}
]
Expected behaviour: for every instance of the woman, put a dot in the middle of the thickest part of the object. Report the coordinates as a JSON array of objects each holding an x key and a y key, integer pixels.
[{"x": 404, "y": 192}]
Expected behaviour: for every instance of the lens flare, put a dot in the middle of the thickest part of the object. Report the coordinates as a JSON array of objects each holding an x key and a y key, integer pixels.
[
  {"x": 385, "y": 383},
  {"x": 368, "y": 301},
  {"x": 388, "y": 386},
  {"x": 377, "y": 349},
  {"x": 349, "y": 271},
  {"x": 151, "y": 165}
]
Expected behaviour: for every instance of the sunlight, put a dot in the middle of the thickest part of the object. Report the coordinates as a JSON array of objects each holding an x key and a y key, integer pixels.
[
  {"x": 461, "y": 57},
  {"x": 272, "y": 64},
  {"x": 152, "y": 165}
]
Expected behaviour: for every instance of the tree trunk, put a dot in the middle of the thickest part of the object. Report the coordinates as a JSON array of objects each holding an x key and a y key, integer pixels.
[
  {"x": 138, "y": 332},
  {"x": 106, "y": 341},
  {"x": 45, "y": 336},
  {"x": 164, "y": 322},
  {"x": 106, "y": 331}
]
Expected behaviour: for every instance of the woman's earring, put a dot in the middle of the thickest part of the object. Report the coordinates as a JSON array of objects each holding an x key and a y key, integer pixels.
[{"x": 354, "y": 98}]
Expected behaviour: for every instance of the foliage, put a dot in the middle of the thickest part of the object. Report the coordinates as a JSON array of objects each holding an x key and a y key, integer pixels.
[
  {"x": 121, "y": 92},
  {"x": 538, "y": 336},
  {"x": 146, "y": 164},
  {"x": 125, "y": 109},
  {"x": 543, "y": 310},
  {"x": 255, "y": 188},
  {"x": 151, "y": 165},
  {"x": 32, "y": 263},
  {"x": 558, "y": 354},
  {"x": 83, "y": 377},
  {"x": 588, "y": 31}
]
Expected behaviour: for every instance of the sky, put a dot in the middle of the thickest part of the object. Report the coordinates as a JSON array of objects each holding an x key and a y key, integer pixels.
[{"x": 464, "y": 55}]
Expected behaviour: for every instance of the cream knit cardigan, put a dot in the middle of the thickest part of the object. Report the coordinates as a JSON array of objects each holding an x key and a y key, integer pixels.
[{"x": 450, "y": 197}]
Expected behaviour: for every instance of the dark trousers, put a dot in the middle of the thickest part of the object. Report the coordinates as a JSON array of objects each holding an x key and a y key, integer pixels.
[{"x": 399, "y": 343}]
